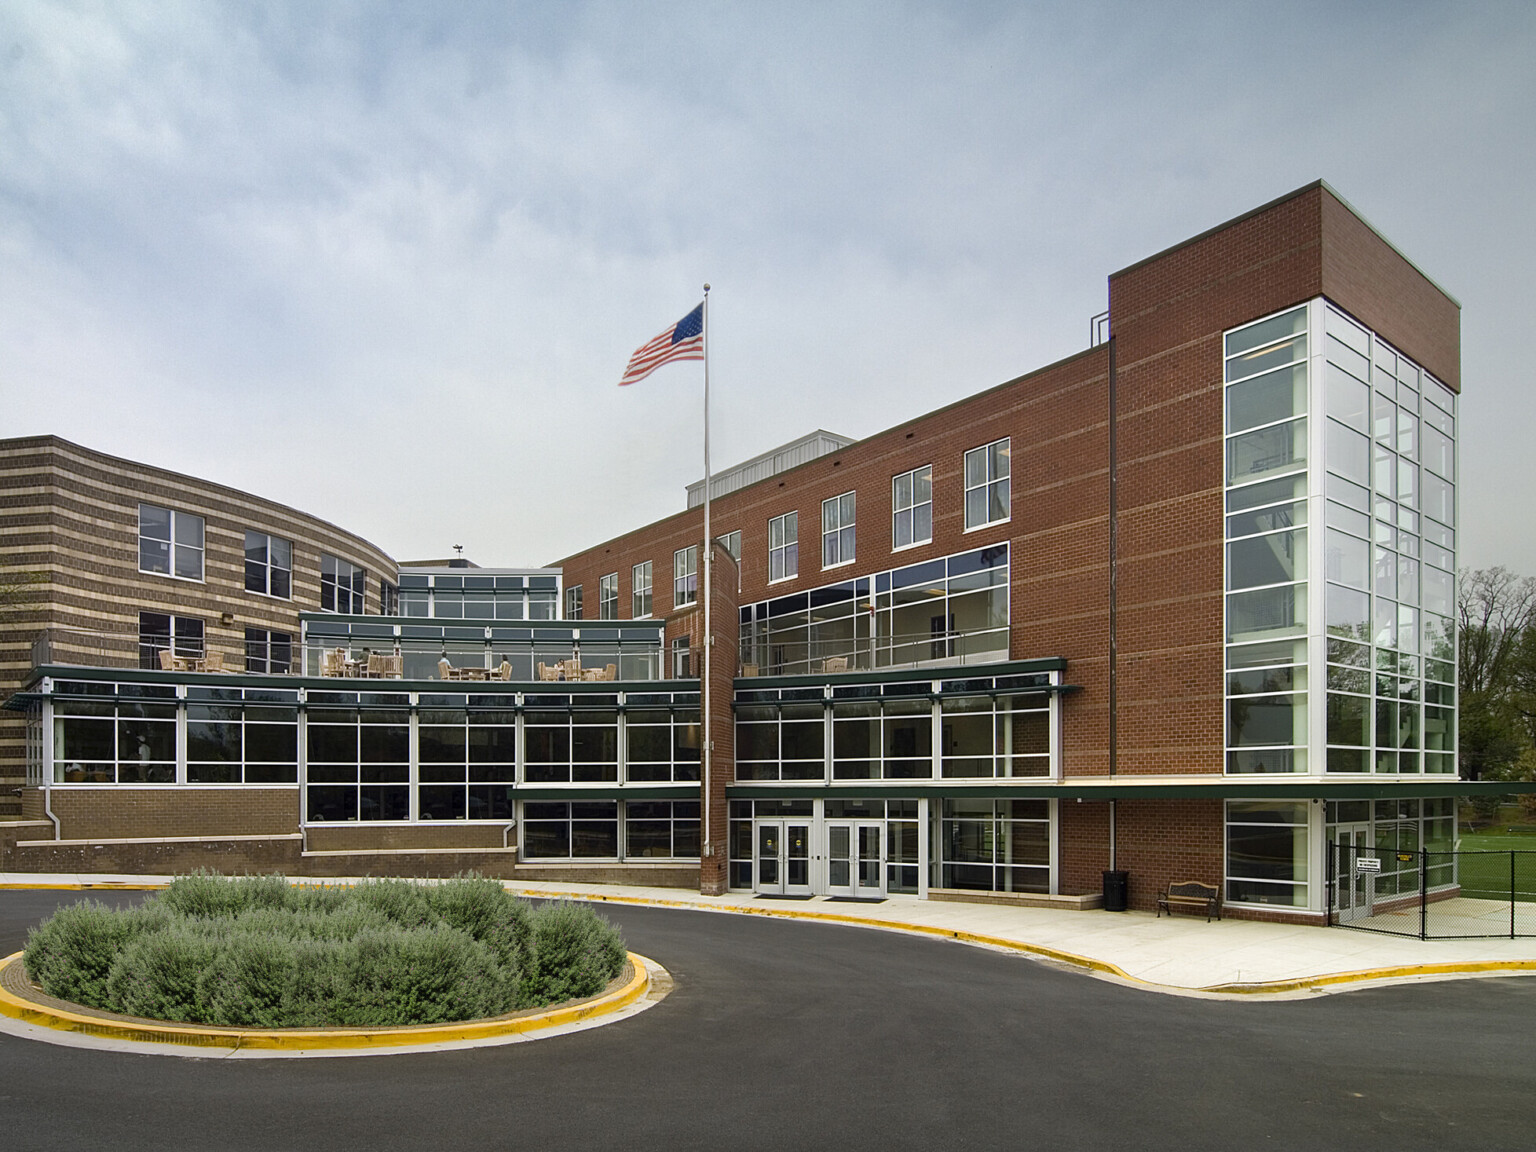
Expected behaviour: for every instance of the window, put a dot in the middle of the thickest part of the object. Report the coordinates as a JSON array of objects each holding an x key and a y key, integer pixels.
[
  {"x": 359, "y": 761},
  {"x": 1267, "y": 852},
  {"x": 268, "y": 565},
  {"x": 341, "y": 586},
  {"x": 467, "y": 761},
  {"x": 661, "y": 744},
  {"x": 560, "y": 831},
  {"x": 663, "y": 828},
  {"x": 731, "y": 542},
  {"x": 640, "y": 591},
  {"x": 573, "y": 602},
  {"x": 389, "y": 598},
  {"x": 129, "y": 742},
  {"x": 784, "y": 546},
  {"x": 685, "y": 576},
  {"x": 233, "y": 742},
  {"x": 270, "y": 652},
  {"x": 680, "y": 660},
  {"x": 170, "y": 542},
  {"x": 608, "y": 597},
  {"x": 837, "y": 529},
  {"x": 159, "y": 632},
  {"x": 996, "y": 845},
  {"x": 986, "y": 484},
  {"x": 575, "y": 747},
  {"x": 912, "y": 507}
]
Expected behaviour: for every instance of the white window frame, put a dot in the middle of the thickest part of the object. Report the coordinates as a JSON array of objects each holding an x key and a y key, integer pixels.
[
  {"x": 573, "y": 604},
  {"x": 174, "y": 549},
  {"x": 685, "y": 576},
  {"x": 608, "y": 596},
  {"x": 784, "y": 547},
  {"x": 640, "y": 591},
  {"x": 268, "y": 566},
  {"x": 356, "y": 586},
  {"x": 908, "y": 511},
  {"x": 731, "y": 542},
  {"x": 839, "y": 530},
  {"x": 990, "y": 480}
]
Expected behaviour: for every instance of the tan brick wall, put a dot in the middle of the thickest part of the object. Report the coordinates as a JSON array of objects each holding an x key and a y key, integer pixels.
[{"x": 122, "y": 811}]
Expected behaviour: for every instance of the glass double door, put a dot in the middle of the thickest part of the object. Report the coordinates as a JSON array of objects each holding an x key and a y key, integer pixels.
[
  {"x": 783, "y": 857},
  {"x": 855, "y": 860}
]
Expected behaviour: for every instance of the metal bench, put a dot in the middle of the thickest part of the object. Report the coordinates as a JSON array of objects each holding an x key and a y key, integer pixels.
[{"x": 1191, "y": 894}]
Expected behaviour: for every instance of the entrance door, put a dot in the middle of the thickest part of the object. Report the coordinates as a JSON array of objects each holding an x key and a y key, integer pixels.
[
  {"x": 1354, "y": 886},
  {"x": 783, "y": 858},
  {"x": 855, "y": 859}
]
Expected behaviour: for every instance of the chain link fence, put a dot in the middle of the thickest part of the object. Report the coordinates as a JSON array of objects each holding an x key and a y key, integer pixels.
[{"x": 1432, "y": 895}]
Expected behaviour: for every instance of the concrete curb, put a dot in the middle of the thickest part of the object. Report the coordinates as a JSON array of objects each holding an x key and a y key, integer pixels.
[{"x": 311, "y": 1039}]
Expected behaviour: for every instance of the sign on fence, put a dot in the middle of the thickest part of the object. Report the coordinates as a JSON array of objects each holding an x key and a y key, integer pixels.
[{"x": 1367, "y": 864}]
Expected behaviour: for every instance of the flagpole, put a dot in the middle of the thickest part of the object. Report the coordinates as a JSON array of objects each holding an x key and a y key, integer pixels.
[{"x": 709, "y": 636}]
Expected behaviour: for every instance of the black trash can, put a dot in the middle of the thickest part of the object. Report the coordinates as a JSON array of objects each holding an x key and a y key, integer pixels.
[{"x": 1116, "y": 890}]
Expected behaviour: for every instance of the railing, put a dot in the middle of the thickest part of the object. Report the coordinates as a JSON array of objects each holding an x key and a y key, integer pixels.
[
  {"x": 415, "y": 660},
  {"x": 880, "y": 653}
]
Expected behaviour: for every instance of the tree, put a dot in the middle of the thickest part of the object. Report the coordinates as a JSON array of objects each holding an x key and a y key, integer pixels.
[{"x": 1496, "y": 613}]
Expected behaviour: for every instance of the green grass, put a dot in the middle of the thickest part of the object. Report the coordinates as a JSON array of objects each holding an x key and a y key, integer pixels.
[
  {"x": 257, "y": 952},
  {"x": 1498, "y": 840}
]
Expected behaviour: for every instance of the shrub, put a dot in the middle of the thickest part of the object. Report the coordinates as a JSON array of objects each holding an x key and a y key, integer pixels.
[
  {"x": 160, "y": 975},
  {"x": 255, "y": 952},
  {"x": 575, "y": 952},
  {"x": 70, "y": 955}
]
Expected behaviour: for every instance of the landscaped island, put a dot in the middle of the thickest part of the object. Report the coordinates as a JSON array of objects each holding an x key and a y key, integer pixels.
[{"x": 257, "y": 952}]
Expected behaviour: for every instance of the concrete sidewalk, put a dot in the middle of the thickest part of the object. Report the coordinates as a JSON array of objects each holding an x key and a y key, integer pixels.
[{"x": 1182, "y": 954}]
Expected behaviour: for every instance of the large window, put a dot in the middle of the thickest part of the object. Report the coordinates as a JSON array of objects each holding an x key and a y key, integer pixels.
[
  {"x": 837, "y": 529},
  {"x": 159, "y": 632},
  {"x": 685, "y": 576},
  {"x": 784, "y": 546},
  {"x": 242, "y": 738},
  {"x": 912, "y": 507},
  {"x": 467, "y": 762},
  {"x": 170, "y": 542},
  {"x": 359, "y": 762},
  {"x": 882, "y": 740},
  {"x": 389, "y": 598},
  {"x": 121, "y": 742},
  {"x": 996, "y": 845},
  {"x": 268, "y": 565},
  {"x": 640, "y": 591},
  {"x": 781, "y": 742},
  {"x": 1267, "y": 852},
  {"x": 661, "y": 828},
  {"x": 608, "y": 597},
  {"x": 995, "y": 736},
  {"x": 270, "y": 652},
  {"x": 579, "y": 746},
  {"x": 573, "y": 602},
  {"x": 580, "y": 830},
  {"x": 1268, "y": 540},
  {"x": 341, "y": 586},
  {"x": 661, "y": 744},
  {"x": 986, "y": 484}
]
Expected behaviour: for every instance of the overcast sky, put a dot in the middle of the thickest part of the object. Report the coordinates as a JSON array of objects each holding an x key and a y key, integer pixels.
[{"x": 386, "y": 262}]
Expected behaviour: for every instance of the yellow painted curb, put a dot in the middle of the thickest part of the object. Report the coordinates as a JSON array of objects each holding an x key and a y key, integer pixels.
[
  {"x": 300, "y": 1039},
  {"x": 1104, "y": 967}
]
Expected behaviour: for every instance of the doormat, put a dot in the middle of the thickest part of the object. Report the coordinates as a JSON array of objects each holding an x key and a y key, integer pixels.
[
  {"x": 775, "y": 896},
  {"x": 855, "y": 899}
]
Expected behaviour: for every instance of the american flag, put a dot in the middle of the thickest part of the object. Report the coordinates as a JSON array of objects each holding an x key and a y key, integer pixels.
[{"x": 683, "y": 341}]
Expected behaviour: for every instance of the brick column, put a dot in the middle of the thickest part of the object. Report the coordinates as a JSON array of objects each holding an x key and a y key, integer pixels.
[{"x": 725, "y": 625}]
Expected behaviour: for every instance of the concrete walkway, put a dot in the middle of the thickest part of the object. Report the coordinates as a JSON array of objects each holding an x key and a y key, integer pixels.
[{"x": 1183, "y": 954}]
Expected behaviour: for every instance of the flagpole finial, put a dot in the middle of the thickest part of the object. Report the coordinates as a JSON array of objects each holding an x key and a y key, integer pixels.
[{"x": 706, "y": 288}]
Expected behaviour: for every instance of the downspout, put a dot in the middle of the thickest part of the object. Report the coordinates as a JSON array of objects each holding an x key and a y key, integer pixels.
[
  {"x": 58, "y": 833},
  {"x": 1114, "y": 547}
]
